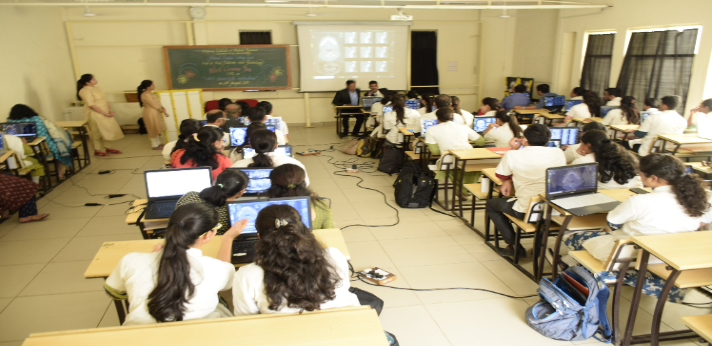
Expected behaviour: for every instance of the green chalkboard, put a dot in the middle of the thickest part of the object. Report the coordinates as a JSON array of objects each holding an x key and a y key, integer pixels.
[{"x": 254, "y": 67}]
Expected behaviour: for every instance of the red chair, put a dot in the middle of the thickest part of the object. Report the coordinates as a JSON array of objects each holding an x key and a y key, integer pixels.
[
  {"x": 251, "y": 102},
  {"x": 210, "y": 105}
]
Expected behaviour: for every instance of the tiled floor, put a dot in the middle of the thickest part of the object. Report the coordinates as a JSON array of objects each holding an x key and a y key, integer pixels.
[{"x": 42, "y": 287}]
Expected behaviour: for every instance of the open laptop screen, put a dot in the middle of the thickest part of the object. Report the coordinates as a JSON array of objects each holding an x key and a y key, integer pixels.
[
  {"x": 480, "y": 124},
  {"x": 176, "y": 182},
  {"x": 554, "y": 143},
  {"x": 368, "y": 101},
  {"x": 606, "y": 109},
  {"x": 2, "y": 145},
  {"x": 274, "y": 121},
  {"x": 567, "y": 136},
  {"x": 237, "y": 136},
  {"x": 259, "y": 180},
  {"x": 20, "y": 129},
  {"x": 425, "y": 123},
  {"x": 284, "y": 150},
  {"x": 567, "y": 180},
  {"x": 553, "y": 101},
  {"x": 250, "y": 209},
  {"x": 571, "y": 103},
  {"x": 412, "y": 104}
]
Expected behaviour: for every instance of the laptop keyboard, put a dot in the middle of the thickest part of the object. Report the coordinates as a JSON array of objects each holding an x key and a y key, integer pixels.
[
  {"x": 163, "y": 206},
  {"x": 583, "y": 201},
  {"x": 243, "y": 247}
]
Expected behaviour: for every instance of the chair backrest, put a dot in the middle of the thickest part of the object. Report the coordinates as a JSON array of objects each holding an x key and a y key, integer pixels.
[
  {"x": 530, "y": 209},
  {"x": 251, "y": 102},
  {"x": 210, "y": 105},
  {"x": 622, "y": 250}
]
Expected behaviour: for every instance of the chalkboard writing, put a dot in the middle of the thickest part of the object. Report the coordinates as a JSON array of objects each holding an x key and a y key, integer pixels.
[{"x": 255, "y": 67}]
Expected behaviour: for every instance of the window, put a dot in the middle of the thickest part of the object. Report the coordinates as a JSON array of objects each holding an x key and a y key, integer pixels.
[
  {"x": 596, "y": 71},
  {"x": 659, "y": 63},
  {"x": 424, "y": 61},
  {"x": 255, "y": 37}
]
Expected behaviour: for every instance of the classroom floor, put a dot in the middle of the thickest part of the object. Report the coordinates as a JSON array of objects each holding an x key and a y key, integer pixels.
[{"x": 42, "y": 287}]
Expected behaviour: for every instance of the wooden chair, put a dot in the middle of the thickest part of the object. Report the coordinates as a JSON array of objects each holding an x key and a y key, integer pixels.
[
  {"x": 530, "y": 228},
  {"x": 702, "y": 325}
]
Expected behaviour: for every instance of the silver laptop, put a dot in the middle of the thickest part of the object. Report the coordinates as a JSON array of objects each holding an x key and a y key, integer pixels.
[
  {"x": 575, "y": 189},
  {"x": 166, "y": 186}
]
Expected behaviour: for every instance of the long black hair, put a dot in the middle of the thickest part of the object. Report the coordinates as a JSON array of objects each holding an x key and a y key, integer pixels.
[
  {"x": 593, "y": 101},
  {"x": 510, "y": 120},
  {"x": 228, "y": 183},
  {"x": 200, "y": 148},
  {"x": 399, "y": 108},
  {"x": 83, "y": 80},
  {"x": 614, "y": 162},
  {"x": 145, "y": 84},
  {"x": 223, "y": 103},
  {"x": 492, "y": 102},
  {"x": 263, "y": 141},
  {"x": 20, "y": 111},
  {"x": 630, "y": 110},
  {"x": 187, "y": 128},
  {"x": 288, "y": 181},
  {"x": 455, "y": 104},
  {"x": 297, "y": 273},
  {"x": 429, "y": 99},
  {"x": 689, "y": 189},
  {"x": 174, "y": 287}
]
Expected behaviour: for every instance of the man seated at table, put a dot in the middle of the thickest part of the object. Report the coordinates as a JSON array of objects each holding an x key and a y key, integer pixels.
[
  {"x": 519, "y": 98},
  {"x": 543, "y": 91},
  {"x": 349, "y": 97},
  {"x": 374, "y": 90},
  {"x": 525, "y": 171}
]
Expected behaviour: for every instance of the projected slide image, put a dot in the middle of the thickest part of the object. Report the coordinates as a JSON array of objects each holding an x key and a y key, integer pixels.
[
  {"x": 351, "y": 37},
  {"x": 328, "y": 53},
  {"x": 382, "y": 38},
  {"x": 366, "y": 38},
  {"x": 366, "y": 66},
  {"x": 350, "y": 52},
  {"x": 351, "y": 66},
  {"x": 381, "y": 52},
  {"x": 366, "y": 52},
  {"x": 381, "y": 66}
]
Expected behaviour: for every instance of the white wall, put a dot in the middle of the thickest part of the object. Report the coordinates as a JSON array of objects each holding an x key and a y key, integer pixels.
[{"x": 534, "y": 43}]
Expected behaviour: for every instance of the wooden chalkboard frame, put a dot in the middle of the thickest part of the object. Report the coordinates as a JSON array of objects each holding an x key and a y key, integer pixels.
[{"x": 288, "y": 60}]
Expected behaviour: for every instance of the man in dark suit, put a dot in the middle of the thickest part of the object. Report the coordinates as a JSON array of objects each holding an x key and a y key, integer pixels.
[{"x": 349, "y": 97}]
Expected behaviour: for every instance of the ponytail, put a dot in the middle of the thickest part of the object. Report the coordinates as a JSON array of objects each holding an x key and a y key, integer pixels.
[
  {"x": 593, "y": 102},
  {"x": 399, "y": 108},
  {"x": 263, "y": 141},
  {"x": 456, "y": 104},
  {"x": 228, "y": 183},
  {"x": 83, "y": 80},
  {"x": 689, "y": 189},
  {"x": 141, "y": 88},
  {"x": 630, "y": 110},
  {"x": 288, "y": 181},
  {"x": 614, "y": 162},
  {"x": 174, "y": 287},
  {"x": 429, "y": 101},
  {"x": 200, "y": 148},
  {"x": 511, "y": 121}
]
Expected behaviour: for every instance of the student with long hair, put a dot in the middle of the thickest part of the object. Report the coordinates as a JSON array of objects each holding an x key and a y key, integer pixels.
[
  {"x": 489, "y": 107},
  {"x": 176, "y": 282},
  {"x": 291, "y": 272},
  {"x": 288, "y": 181},
  {"x": 679, "y": 203},
  {"x": 264, "y": 142},
  {"x": 572, "y": 151},
  {"x": 617, "y": 168},
  {"x": 229, "y": 186},
  {"x": 98, "y": 114},
  {"x": 591, "y": 107},
  {"x": 377, "y": 108},
  {"x": 152, "y": 110},
  {"x": 669, "y": 121},
  {"x": 628, "y": 114},
  {"x": 427, "y": 100},
  {"x": 204, "y": 149},
  {"x": 400, "y": 117},
  {"x": 460, "y": 115},
  {"x": 187, "y": 128},
  {"x": 503, "y": 130}
]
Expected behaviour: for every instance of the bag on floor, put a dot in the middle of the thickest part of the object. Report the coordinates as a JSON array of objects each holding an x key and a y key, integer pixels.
[
  {"x": 368, "y": 147},
  {"x": 573, "y": 307},
  {"x": 414, "y": 189},
  {"x": 350, "y": 147},
  {"x": 392, "y": 159}
]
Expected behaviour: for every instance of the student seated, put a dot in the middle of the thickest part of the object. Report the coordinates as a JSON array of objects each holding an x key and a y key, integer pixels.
[
  {"x": 678, "y": 203},
  {"x": 699, "y": 113},
  {"x": 204, "y": 149},
  {"x": 258, "y": 116},
  {"x": 591, "y": 107},
  {"x": 18, "y": 195},
  {"x": 265, "y": 142},
  {"x": 517, "y": 99},
  {"x": 217, "y": 118},
  {"x": 291, "y": 272},
  {"x": 490, "y": 106},
  {"x": 617, "y": 167},
  {"x": 461, "y": 116},
  {"x": 525, "y": 171},
  {"x": 571, "y": 151},
  {"x": 233, "y": 111},
  {"x": 651, "y": 105},
  {"x": 628, "y": 114},
  {"x": 288, "y": 181},
  {"x": 612, "y": 96},
  {"x": 440, "y": 101},
  {"x": 543, "y": 91},
  {"x": 176, "y": 282},
  {"x": 577, "y": 93},
  {"x": 377, "y": 108},
  {"x": 188, "y": 127},
  {"x": 229, "y": 186},
  {"x": 400, "y": 117},
  {"x": 283, "y": 128},
  {"x": 669, "y": 121},
  {"x": 503, "y": 130},
  {"x": 428, "y": 102},
  {"x": 26, "y": 155}
]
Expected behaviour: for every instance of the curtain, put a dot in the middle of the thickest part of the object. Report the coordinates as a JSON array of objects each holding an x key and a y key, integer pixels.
[
  {"x": 424, "y": 61},
  {"x": 658, "y": 64},
  {"x": 255, "y": 37},
  {"x": 596, "y": 72}
]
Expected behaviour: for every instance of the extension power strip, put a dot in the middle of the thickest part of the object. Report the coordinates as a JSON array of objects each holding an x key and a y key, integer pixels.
[
  {"x": 377, "y": 275},
  {"x": 309, "y": 153}
]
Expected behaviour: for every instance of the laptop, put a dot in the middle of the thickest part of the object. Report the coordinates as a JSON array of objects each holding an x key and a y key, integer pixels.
[
  {"x": 166, "y": 186},
  {"x": 243, "y": 248},
  {"x": 387, "y": 109},
  {"x": 274, "y": 121},
  {"x": 480, "y": 124},
  {"x": 2, "y": 146},
  {"x": 412, "y": 104},
  {"x": 425, "y": 123},
  {"x": 28, "y": 130},
  {"x": 284, "y": 150},
  {"x": 368, "y": 101},
  {"x": 554, "y": 143},
  {"x": 566, "y": 135},
  {"x": 575, "y": 189},
  {"x": 571, "y": 103},
  {"x": 203, "y": 122},
  {"x": 244, "y": 120},
  {"x": 259, "y": 180},
  {"x": 606, "y": 109},
  {"x": 238, "y": 136},
  {"x": 554, "y": 102}
]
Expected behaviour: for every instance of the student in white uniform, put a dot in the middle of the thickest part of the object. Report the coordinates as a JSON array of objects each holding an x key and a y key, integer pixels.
[
  {"x": 699, "y": 113},
  {"x": 267, "y": 106},
  {"x": 400, "y": 117},
  {"x": 265, "y": 142},
  {"x": 461, "y": 116},
  {"x": 217, "y": 118},
  {"x": 187, "y": 128},
  {"x": 505, "y": 128},
  {"x": 258, "y": 115},
  {"x": 617, "y": 167},
  {"x": 489, "y": 107},
  {"x": 428, "y": 102},
  {"x": 176, "y": 282},
  {"x": 612, "y": 96},
  {"x": 524, "y": 170},
  {"x": 651, "y": 105},
  {"x": 577, "y": 93},
  {"x": 571, "y": 151},
  {"x": 628, "y": 114},
  {"x": 591, "y": 107},
  {"x": 377, "y": 108},
  {"x": 669, "y": 121},
  {"x": 447, "y": 135}
]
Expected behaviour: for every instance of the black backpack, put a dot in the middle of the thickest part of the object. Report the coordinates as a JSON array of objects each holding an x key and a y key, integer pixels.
[
  {"x": 392, "y": 159},
  {"x": 414, "y": 189}
]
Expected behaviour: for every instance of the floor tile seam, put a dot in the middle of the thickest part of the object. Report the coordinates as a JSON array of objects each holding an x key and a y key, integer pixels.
[
  {"x": 51, "y": 294},
  {"x": 437, "y": 324}
]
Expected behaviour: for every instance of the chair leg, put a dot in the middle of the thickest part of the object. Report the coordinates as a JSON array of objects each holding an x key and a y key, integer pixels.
[{"x": 517, "y": 240}]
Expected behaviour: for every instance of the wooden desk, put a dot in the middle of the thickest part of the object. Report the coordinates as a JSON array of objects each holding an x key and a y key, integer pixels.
[
  {"x": 587, "y": 120},
  {"x": 680, "y": 140},
  {"x": 551, "y": 117},
  {"x": 624, "y": 129},
  {"x": 699, "y": 167},
  {"x": 702, "y": 325},
  {"x": 462, "y": 157},
  {"x": 350, "y": 326},
  {"x": 341, "y": 111},
  {"x": 37, "y": 141},
  {"x": 680, "y": 252},
  {"x": 531, "y": 111},
  {"x": 407, "y": 133},
  {"x": 80, "y": 126}
]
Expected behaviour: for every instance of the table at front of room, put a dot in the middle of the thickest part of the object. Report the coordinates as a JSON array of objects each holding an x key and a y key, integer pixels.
[
  {"x": 80, "y": 126},
  {"x": 350, "y": 112},
  {"x": 461, "y": 167}
]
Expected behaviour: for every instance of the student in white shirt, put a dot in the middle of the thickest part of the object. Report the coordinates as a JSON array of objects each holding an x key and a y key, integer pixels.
[
  {"x": 591, "y": 107},
  {"x": 627, "y": 114},
  {"x": 571, "y": 151},
  {"x": 524, "y": 170},
  {"x": 699, "y": 113},
  {"x": 291, "y": 271},
  {"x": 612, "y": 96},
  {"x": 669, "y": 121},
  {"x": 378, "y": 109},
  {"x": 427, "y": 101},
  {"x": 265, "y": 142},
  {"x": 651, "y": 105},
  {"x": 617, "y": 167},
  {"x": 461, "y": 116},
  {"x": 400, "y": 117},
  {"x": 176, "y": 282},
  {"x": 267, "y": 106},
  {"x": 577, "y": 93},
  {"x": 490, "y": 106},
  {"x": 187, "y": 128},
  {"x": 505, "y": 128},
  {"x": 257, "y": 116}
]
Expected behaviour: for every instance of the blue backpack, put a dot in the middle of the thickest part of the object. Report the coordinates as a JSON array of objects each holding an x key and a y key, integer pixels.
[{"x": 565, "y": 312}]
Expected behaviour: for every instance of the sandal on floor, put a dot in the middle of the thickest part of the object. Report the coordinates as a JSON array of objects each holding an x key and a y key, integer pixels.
[
  {"x": 113, "y": 151},
  {"x": 33, "y": 218}
]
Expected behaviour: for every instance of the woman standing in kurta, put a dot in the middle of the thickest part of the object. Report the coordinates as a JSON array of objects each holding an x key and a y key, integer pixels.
[
  {"x": 102, "y": 125},
  {"x": 152, "y": 110}
]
